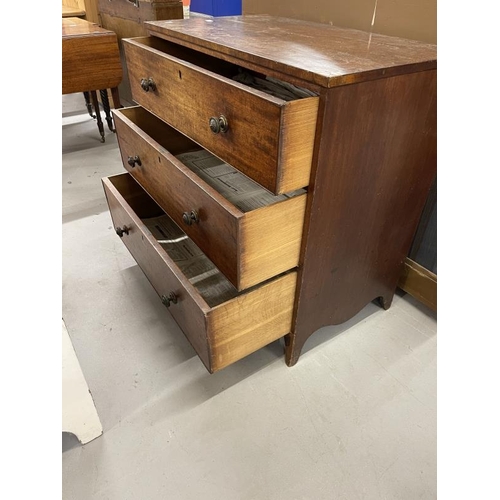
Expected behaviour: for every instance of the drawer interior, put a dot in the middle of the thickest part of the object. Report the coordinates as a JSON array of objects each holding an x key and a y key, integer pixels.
[
  {"x": 234, "y": 186},
  {"x": 271, "y": 86},
  {"x": 212, "y": 285}
]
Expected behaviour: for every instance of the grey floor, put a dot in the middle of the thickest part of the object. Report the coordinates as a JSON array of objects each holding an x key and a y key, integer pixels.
[{"x": 354, "y": 419}]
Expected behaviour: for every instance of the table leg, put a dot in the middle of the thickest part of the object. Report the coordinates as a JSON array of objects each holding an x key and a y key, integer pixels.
[
  {"x": 116, "y": 98},
  {"x": 86, "y": 95},
  {"x": 107, "y": 110},
  {"x": 95, "y": 102}
]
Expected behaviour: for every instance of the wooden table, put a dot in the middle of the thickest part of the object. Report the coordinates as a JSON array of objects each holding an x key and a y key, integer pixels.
[
  {"x": 91, "y": 62},
  {"x": 72, "y": 11}
]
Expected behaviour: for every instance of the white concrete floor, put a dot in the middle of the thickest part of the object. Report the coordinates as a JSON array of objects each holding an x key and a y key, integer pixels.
[{"x": 354, "y": 419}]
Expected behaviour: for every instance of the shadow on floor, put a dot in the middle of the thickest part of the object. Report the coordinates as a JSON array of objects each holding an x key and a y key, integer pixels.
[{"x": 69, "y": 441}]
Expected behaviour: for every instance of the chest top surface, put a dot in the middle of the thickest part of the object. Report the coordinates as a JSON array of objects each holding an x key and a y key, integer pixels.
[
  {"x": 319, "y": 53},
  {"x": 76, "y": 27}
]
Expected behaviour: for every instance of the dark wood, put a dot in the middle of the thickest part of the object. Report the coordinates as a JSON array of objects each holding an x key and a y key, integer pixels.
[
  {"x": 176, "y": 188},
  {"x": 420, "y": 283},
  {"x": 116, "y": 98},
  {"x": 107, "y": 109},
  {"x": 317, "y": 53},
  {"x": 373, "y": 157},
  {"x": 143, "y": 11},
  {"x": 90, "y": 57},
  {"x": 223, "y": 333},
  {"x": 88, "y": 104},
  {"x": 123, "y": 193},
  {"x": 375, "y": 165},
  {"x": 127, "y": 21},
  {"x": 224, "y": 233},
  {"x": 95, "y": 102},
  {"x": 187, "y": 96}
]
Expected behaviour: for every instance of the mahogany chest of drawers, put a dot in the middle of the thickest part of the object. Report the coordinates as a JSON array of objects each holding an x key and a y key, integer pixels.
[{"x": 276, "y": 172}]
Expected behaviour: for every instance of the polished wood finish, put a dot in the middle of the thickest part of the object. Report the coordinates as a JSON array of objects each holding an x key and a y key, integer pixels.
[
  {"x": 419, "y": 282},
  {"x": 317, "y": 53},
  {"x": 371, "y": 146},
  {"x": 269, "y": 140},
  {"x": 86, "y": 8},
  {"x": 68, "y": 11},
  {"x": 222, "y": 334},
  {"x": 375, "y": 165},
  {"x": 128, "y": 203},
  {"x": 248, "y": 247},
  {"x": 270, "y": 240},
  {"x": 90, "y": 57},
  {"x": 247, "y": 323},
  {"x": 127, "y": 21},
  {"x": 143, "y": 10}
]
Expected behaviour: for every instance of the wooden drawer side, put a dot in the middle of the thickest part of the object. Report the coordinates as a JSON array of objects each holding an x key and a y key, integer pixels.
[
  {"x": 270, "y": 240},
  {"x": 162, "y": 273},
  {"x": 298, "y": 129},
  {"x": 251, "y": 321},
  {"x": 171, "y": 185}
]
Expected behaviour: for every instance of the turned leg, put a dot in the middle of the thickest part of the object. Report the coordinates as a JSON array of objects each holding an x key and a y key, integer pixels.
[
  {"x": 107, "y": 110},
  {"x": 88, "y": 104},
  {"x": 95, "y": 102}
]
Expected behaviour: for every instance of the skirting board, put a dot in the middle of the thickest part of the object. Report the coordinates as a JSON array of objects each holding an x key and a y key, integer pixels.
[{"x": 420, "y": 283}]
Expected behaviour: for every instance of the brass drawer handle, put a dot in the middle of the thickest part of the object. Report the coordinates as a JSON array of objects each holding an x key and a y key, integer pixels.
[
  {"x": 218, "y": 124},
  {"x": 148, "y": 84},
  {"x": 190, "y": 217},
  {"x": 120, "y": 231},
  {"x": 132, "y": 160},
  {"x": 170, "y": 299}
]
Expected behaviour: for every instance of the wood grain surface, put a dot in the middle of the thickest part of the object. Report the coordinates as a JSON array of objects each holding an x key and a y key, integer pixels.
[
  {"x": 376, "y": 163},
  {"x": 270, "y": 240},
  {"x": 176, "y": 188},
  {"x": 164, "y": 275},
  {"x": 248, "y": 248},
  {"x": 251, "y": 321},
  {"x": 144, "y": 10},
  {"x": 90, "y": 57},
  {"x": 220, "y": 335},
  {"x": 317, "y": 53},
  {"x": 419, "y": 282},
  {"x": 187, "y": 96}
]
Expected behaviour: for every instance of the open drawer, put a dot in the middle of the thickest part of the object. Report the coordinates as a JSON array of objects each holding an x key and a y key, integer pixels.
[
  {"x": 250, "y": 234},
  {"x": 222, "y": 325},
  {"x": 268, "y": 138}
]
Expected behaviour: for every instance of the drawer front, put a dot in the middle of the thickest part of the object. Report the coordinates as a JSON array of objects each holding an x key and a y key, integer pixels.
[
  {"x": 248, "y": 248},
  {"x": 221, "y": 334},
  {"x": 188, "y": 312},
  {"x": 268, "y": 139},
  {"x": 173, "y": 186}
]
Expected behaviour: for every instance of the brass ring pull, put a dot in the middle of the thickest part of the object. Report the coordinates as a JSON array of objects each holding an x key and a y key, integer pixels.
[{"x": 218, "y": 125}]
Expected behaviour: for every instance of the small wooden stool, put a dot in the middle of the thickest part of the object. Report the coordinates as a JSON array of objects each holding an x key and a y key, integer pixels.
[{"x": 91, "y": 63}]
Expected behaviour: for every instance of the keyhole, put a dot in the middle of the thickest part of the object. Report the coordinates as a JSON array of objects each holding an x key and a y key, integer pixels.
[{"x": 180, "y": 75}]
